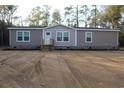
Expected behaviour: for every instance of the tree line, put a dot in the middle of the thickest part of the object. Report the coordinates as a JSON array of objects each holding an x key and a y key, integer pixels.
[
  {"x": 78, "y": 16},
  {"x": 6, "y": 15},
  {"x": 93, "y": 16}
]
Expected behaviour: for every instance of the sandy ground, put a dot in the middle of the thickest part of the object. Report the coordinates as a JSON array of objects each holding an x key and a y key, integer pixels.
[{"x": 62, "y": 69}]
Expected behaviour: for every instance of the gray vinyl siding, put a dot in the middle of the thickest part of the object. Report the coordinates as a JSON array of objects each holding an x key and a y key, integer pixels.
[
  {"x": 100, "y": 40},
  {"x": 53, "y": 31},
  {"x": 35, "y": 39}
]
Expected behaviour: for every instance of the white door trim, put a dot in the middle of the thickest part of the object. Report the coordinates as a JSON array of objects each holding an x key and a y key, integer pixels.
[{"x": 45, "y": 36}]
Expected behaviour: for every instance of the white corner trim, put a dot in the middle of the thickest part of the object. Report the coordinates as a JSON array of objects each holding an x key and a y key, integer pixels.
[
  {"x": 75, "y": 37},
  {"x": 63, "y": 36},
  {"x": 43, "y": 34},
  {"x": 86, "y": 37},
  {"x": 22, "y": 35}
]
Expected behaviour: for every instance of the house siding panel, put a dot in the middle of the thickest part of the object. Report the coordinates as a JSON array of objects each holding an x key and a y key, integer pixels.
[
  {"x": 35, "y": 39},
  {"x": 100, "y": 40}
]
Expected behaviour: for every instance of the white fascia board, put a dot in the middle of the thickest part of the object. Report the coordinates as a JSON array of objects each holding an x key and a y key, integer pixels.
[
  {"x": 11, "y": 28},
  {"x": 99, "y": 29}
]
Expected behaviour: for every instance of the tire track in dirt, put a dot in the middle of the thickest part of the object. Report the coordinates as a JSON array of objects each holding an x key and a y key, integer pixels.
[
  {"x": 38, "y": 67},
  {"x": 106, "y": 68},
  {"x": 114, "y": 75},
  {"x": 39, "y": 71},
  {"x": 76, "y": 74},
  {"x": 68, "y": 77},
  {"x": 9, "y": 69},
  {"x": 25, "y": 76},
  {"x": 19, "y": 77},
  {"x": 51, "y": 71},
  {"x": 107, "y": 55},
  {"x": 105, "y": 59},
  {"x": 81, "y": 76},
  {"x": 7, "y": 59}
]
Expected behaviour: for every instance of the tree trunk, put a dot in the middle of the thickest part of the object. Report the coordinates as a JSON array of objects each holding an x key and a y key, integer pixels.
[
  {"x": 113, "y": 25},
  {"x": 77, "y": 19},
  {"x": 95, "y": 16}
]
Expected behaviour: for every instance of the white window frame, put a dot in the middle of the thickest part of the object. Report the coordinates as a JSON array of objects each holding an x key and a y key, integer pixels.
[
  {"x": 56, "y": 36},
  {"x": 22, "y": 36},
  {"x": 86, "y": 37},
  {"x": 63, "y": 36}
]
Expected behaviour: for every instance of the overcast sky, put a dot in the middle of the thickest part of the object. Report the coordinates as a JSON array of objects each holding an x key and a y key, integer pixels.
[
  {"x": 25, "y": 7},
  {"x": 24, "y": 10}
]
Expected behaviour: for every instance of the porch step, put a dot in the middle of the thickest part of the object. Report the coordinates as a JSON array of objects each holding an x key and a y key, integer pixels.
[{"x": 46, "y": 47}]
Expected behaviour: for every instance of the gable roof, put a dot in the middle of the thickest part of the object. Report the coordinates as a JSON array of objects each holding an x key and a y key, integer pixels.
[{"x": 59, "y": 25}]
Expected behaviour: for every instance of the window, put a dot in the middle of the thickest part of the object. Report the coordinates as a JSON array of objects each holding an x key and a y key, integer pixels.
[
  {"x": 26, "y": 36},
  {"x": 20, "y": 36},
  {"x": 66, "y": 36},
  {"x": 62, "y": 36},
  {"x": 47, "y": 33},
  {"x": 88, "y": 37},
  {"x": 59, "y": 36},
  {"x": 23, "y": 36}
]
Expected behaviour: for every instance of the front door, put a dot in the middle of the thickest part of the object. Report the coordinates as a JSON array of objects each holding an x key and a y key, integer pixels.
[{"x": 47, "y": 38}]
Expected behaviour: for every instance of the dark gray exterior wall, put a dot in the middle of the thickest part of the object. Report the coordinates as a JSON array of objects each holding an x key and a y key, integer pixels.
[
  {"x": 35, "y": 39},
  {"x": 100, "y": 40}
]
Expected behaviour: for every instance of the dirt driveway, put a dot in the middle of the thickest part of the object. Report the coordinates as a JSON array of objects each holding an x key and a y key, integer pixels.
[{"x": 62, "y": 69}]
